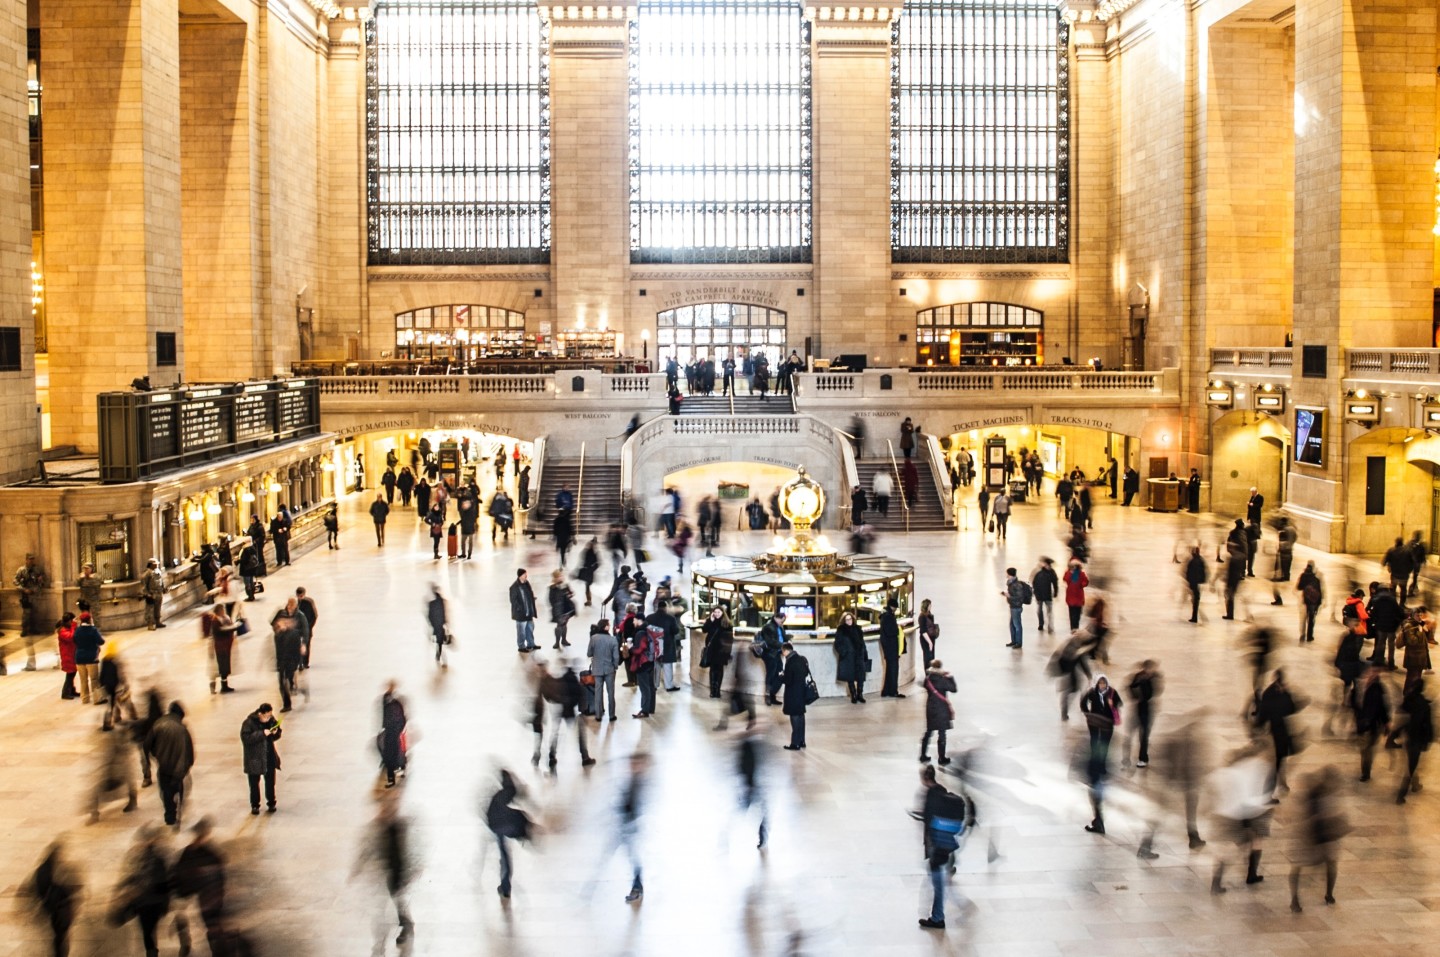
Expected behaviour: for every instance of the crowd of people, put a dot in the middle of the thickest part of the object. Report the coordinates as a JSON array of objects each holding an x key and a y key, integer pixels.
[{"x": 635, "y": 644}]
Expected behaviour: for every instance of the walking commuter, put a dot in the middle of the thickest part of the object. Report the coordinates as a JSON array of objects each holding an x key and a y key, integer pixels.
[
  {"x": 522, "y": 611},
  {"x": 391, "y": 741},
  {"x": 507, "y": 823},
  {"x": 852, "y": 659},
  {"x": 55, "y": 886},
  {"x": 1372, "y": 716},
  {"x": 1101, "y": 707},
  {"x": 1197, "y": 573},
  {"x": 1385, "y": 618},
  {"x": 907, "y": 438},
  {"x": 218, "y": 628},
  {"x": 563, "y": 529},
  {"x": 796, "y": 680},
  {"x": 468, "y": 512},
  {"x": 604, "y": 654},
  {"x": 1044, "y": 585},
  {"x": 1322, "y": 827},
  {"x": 747, "y": 765},
  {"x": 589, "y": 565},
  {"x": 1076, "y": 581},
  {"x": 882, "y": 488},
  {"x": 944, "y": 817},
  {"x": 1275, "y": 708},
  {"x": 1418, "y": 731},
  {"x": 258, "y": 734},
  {"x": 927, "y": 631},
  {"x": 405, "y": 485},
  {"x": 173, "y": 750},
  {"x": 1001, "y": 508},
  {"x": 117, "y": 690},
  {"x": 632, "y": 808},
  {"x": 437, "y": 614},
  {"x": 332, "y": 528},
  {"x": 562, "y": 607},
  {"x": 858, "y": 504},
  {"x": 200, "y": 873},
  {"x": 379, "y": 512},
  {"x": 1401, "y": 563},
  {"x": 65, "y": 642},
  {"x": 1312, "y": 595},
  {"x": 387, "y": 851},
  {"x": 939, "y": 712},
  {"x": 1145, "y": 688},
  {"x": 288, "y": 631},
  {"x": 1244, "y": 807}
]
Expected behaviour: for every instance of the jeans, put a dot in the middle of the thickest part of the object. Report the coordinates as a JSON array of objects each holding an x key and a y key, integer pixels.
[
  {"x": 937, "y": 882},
  {"x": 287, "y": 681},
  {"x": 939, "y": 744},
  {"x": 1017, "y": 627},
  {"x": 525, "y": 634},
  {"x": 1001, "y": 520},
  {"x": 269, "y": 777},
  {"x": 604, "y": 686},
  {"x": 797, "y": 731},
  {"x": 1045, "y": 611}
]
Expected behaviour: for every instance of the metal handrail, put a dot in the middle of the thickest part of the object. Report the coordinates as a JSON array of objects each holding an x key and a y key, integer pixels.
[
  {"x": 580, "y": 489},
  {"x": 899, "y": 484},
  {"x": 537, "y": 470},
  {"x": 940, "y": 472}
]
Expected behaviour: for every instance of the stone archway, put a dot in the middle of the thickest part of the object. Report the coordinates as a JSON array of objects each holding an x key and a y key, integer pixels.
[{"x": 1248, "y": 450}]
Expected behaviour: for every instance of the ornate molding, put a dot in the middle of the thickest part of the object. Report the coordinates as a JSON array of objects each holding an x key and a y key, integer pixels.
[
  {"x": 872, "y": 15},
  {"x": 696, "y": 275},
  {"x": 460, "y": 277},
  {"x": 981, "y": 274},
  {"x": 565, "y": 13}
]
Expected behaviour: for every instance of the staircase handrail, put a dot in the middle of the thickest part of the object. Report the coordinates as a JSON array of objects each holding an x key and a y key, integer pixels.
[
  {"x": 849, "y": 469},
  {"x": 899, "y": 484},
  {"x": 537, "y": 469},
  {"x": 580, "y": 489},
  {"x": 940, "y": 471}
]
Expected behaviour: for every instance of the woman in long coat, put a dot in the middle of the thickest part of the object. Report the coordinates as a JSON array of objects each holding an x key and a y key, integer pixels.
[
  {"x": 719, "y": 640},
  {"x": 852, "y": 659},
  {"x": 65, "y": 636},
  {"x": 939, "y": 713}
]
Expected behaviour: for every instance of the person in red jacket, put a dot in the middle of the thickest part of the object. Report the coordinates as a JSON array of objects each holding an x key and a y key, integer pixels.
[
  {"x": 1075, "y": 584},
  {"x": 65, "y": 635}
]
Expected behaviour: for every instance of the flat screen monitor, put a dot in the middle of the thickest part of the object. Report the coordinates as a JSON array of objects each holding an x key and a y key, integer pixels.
[
  {"x": 799, "y": 612},
  {"x": 1310, "y": 436}
]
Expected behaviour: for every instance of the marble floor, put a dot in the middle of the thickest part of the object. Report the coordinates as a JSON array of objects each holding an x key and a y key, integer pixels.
[{"x": 843, "y": 873}]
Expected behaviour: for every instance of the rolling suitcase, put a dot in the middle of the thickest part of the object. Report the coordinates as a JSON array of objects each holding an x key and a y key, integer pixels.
[{"x": 452, "y": 541}]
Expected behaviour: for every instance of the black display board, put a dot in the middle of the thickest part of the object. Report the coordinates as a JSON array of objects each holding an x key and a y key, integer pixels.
[{"x": 143, "y": 434}]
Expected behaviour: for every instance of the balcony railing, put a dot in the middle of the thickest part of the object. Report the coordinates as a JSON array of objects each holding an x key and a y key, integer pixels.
[
  {"x": 1409, "y": 363},
  {"x": 1252, "y": 360},
  {"x": 830, "y": 385}
]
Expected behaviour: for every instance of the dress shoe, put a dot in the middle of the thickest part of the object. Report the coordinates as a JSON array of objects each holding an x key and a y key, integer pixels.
[
  {"x": 929, "y": 924},
  {"x": 791, "y": 747},
  {"x": 255, "y": 810}
]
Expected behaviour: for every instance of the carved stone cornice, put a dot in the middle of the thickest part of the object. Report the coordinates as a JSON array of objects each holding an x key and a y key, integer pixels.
[
  {"x": 523, "y": 276},
  {"x": 718, "y": 275},
  {"x": 981, "y": 273}
]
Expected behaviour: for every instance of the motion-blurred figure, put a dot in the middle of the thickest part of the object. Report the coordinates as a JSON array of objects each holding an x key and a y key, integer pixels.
[
  {"x": 116, "y": 774},
  {"x": 1418, "y": 731},
  {"x": 173, "y": 750},
  {"x": 115, "y": 688},
  {"x": 55, "y": 887},
  {"x": 507, "y": 823},
  {"x": 1070, "y": 669},
  {"x": 1243, "y": 809},
  {"x": 1184, "y": 760},
  {"x": 748, "y": 764},
  {"x": 1277, "y": 705},
  {"x": 564, "y": 694},
  {"x": 386, "y": 853},
  {"x": 438, "y": 616},
  {"x": 1372, "y": 716},
  {"x": 1101, "y": 707},
  {"x": 144, "y": 891},
  {"x": 946, "y": 817},
  {"x": 200, "y": 873},
  {"x": 1323, "y": 826},
  {"x": 1261, "y": 645},
  {"x": 630, "y": 811}
]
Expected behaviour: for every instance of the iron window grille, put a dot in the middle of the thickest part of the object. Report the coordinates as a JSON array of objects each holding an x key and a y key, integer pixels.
[
  {"x": 980, "y": 132},
  {"x": 458, "y": 132},
  {"x": 720, "y": 137}
]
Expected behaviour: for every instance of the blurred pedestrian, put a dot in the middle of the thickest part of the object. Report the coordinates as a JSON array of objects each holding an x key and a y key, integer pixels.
[
  {"x": 1101, "y": 707},
  {"x": 1044, "y": 586},
  {"x": 631, "y": 810},
  {"x": 437, "y": 615},
  {"x": 116, "y": 688},
  {"x": 55, "y": 886},
  {"x": 589, "y": 565},
  {"x": 1418, "y": 731},
  {"x": 1244, "y": 807},
  {"x": 115, "y": 774},
  {"x": 562, "y": 607},
  {"x": 288, "y": 629},
  {"x": 1322, "y": 827},
  {"x": 1145, "y": 688},
  {"x": 387, "y": 852},
  {"x": 1076, "y": 581},
  {"x": 217, "y": 627},
  {"x": 258, "y": 734},
  {"x": 311, "y": 613},
  {"x": 199, "y": 872},
  {"x": 1196, "y": 575},
  {"x": 1070, "y": 669},
  {"x": 1372, "y": 716},
  {"x": 144, "y": 891},
  {"x": 748, "y": 765},
  {"x": 945, "y": 818},
  {"x": 507, "y": 823},
  {"x": 1277, "y": 705}
]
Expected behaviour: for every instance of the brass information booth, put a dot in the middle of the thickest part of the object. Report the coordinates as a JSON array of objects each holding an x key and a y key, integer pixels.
[{"x": 815, "y": 586}]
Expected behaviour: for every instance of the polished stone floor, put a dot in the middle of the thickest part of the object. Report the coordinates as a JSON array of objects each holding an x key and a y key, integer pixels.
[{"x": 843, "y": 873}]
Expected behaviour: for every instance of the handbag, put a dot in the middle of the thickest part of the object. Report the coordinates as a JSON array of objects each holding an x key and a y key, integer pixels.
[
  {"x": 757, "y": 648},
  {"x": 587, "y": 678},
  {"x": 705, "y": 658},
  {"x": 992, "y": 525},
  {"x": 812, "y": 691},
  {"x": 242, "y": 627}
]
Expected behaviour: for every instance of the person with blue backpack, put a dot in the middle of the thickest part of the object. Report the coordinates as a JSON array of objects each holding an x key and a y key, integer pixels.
[{"x": 946, "y": 817}]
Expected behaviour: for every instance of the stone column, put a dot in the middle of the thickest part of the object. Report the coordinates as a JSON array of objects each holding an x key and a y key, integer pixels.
[
  {"x": 1364, "y": 208},
  {"x": 343, "y": 305},
  {"x": 19, "y": 422},
  {"x": 1095, "y": 327},
  {"x": 112, "y": 200},
  {"x": 589, "y": 136},
  {"x": 851, "y": 194}
]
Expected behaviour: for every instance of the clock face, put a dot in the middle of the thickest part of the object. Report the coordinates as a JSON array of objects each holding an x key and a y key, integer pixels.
[{"x": 803, "y": 501}]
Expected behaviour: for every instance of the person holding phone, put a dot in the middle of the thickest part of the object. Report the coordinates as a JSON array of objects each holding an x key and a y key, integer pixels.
[{"x": 258, "y": 735}]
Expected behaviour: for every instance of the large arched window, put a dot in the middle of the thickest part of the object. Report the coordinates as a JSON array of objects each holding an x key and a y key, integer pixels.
[
  {"x": 980, "y": 334},
  {"x": 457, "y": 117},
  {"x": 719, "y": 132},
  {"x": 459, "y": 332},
  {"x": 719, "y": 331},
  {"x": 980, "y": 129}
]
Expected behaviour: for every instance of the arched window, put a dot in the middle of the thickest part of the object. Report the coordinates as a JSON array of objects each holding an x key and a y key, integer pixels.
[
  {"x": 980, "y": 334},
  {"x": 459, "y": 332},
  {"x": 719, "y": 331}
]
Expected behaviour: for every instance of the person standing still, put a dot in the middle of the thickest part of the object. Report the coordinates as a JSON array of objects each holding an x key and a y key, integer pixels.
[
  {"x": 87, "y": 657},
  {"x": 891, "y": 647},
  {"x": 604, "y": 653},
  {"x": 1015, "y": 600},
  {"x": 1045, "y": 584},
  {"x": 907, "y": 438},
  {"x": 793, "y": 676},
  {"x": 522, "y": 611},
  {"x": 152, "y": 589},
  {"x": 882, "y": 487},
  {"x": 258, "y": 734}
]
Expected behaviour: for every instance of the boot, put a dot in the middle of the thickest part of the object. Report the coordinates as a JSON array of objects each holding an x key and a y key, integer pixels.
[
  {"x": 1252, "y": 876},
  {"x": 1217, "y": 880}
]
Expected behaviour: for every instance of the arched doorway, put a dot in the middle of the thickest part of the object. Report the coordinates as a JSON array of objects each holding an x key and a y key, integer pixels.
[
  {"x": 1247, "y": 450},
  {"x": 720, "y": 331}
]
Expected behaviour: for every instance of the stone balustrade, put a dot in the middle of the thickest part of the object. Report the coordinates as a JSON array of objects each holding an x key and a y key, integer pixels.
[
  {"x": 880, "y": 383},
  {"x": 1252, "y": 360},
  {"x": 1392, "y": 363}
]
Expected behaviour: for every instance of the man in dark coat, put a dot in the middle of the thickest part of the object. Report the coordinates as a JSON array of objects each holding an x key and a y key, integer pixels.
[
  {"x": 379, "y": 512},
  {"x": 1196, "y": 575},
  {"x": 1255, "y": 506},
  {"x": 1192, "y": 490},
  {"x": 796, "y": 670},
  {"x": 169, "y": 744},
  {"x": 200, "y": 873},
  {"x": 890, "y": 651},
  {"x": 258, "y": 734},
  {"x": 1401, "y": 563},
  {"x": 311, "y": 613},
  {"x": 392, "y": 734},
  {"x": 280, "y": 526},
  {"x": 256, "y": 531},
  {"x": 669, "y": 643},
  {"x": 1386, "y": 617},
  {"x": 1132, "y": 485},
  {"x": 522, "y": 611},
  {"x": 772, "y": 639}
]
